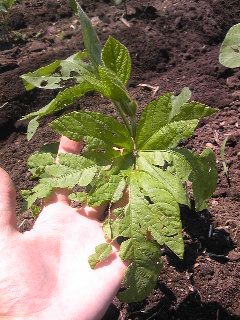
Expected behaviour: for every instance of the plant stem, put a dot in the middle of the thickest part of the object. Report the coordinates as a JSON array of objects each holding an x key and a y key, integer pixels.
[
  {"x": 124, "y": 117},
  {"x": 134, "y": 125}
]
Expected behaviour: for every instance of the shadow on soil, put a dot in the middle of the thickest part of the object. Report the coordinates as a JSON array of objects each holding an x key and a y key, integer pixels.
[
  {"x": 190, "y": 308},
  {"x": 201, "y": 236}
]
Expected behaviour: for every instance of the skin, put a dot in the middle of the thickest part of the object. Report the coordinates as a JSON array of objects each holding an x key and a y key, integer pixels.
[{"x": 44, "y": 273}]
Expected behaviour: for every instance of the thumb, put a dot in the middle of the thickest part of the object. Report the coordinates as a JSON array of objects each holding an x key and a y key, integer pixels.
[{"x": 7, "y": 202}]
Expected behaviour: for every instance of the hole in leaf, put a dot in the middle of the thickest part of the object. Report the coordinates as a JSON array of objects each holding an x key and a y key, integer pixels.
[
  {"x": 44, "y": 83},
  {"x": 148, "y": 199},
  {"x": 121, "y": 239},
  {"x": 58, "y": 71},
  {"x": 68, "y": 83},
  {"x": 74, "y": 74}
]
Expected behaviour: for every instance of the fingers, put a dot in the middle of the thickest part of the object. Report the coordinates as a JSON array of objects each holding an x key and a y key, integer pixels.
[
  {"x": 66, "y": 146},
  {"x": 7, "y": 202},
  {"x": 69, "y": 146}
]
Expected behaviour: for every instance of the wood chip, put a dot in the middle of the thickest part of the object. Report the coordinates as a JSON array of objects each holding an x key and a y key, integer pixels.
[
  {"x": 125, "y": 22},
  {"x": 154, "y": 89}
]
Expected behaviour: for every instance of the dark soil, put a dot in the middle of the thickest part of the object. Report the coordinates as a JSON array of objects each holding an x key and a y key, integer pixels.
[{"x": 173, "y": 44}]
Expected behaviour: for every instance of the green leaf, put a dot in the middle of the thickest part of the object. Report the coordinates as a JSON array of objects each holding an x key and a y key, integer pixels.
[
  {"x": 90, "y": 38},
  {"x": 193, "y": 110},
  {"x": 169, "y": 136},
  {"x": 203, "y": 176},
  {"x": 118, "y": 225},
  {"x": 71, "y": 170},
  {"x": 35, "y": 211},
  {"x": 40, "y": 191},
  {"x": 78, "y": 57},
  {"x": 32, "y": 128},
  {"x": 79, "y": 196},
  {"x": 178, "y": 101},
  {"x": 186, "y": 166},
  {"x": 99, "y": 126},
  {"x": 141, "y": 276},
  {"x": 164, "y": 221},
  {"x": 40, "y": 159},
  {"x": 109, "y": 190},
  {"x": 169, "y": 160},
  {"x": 42, "y": 78},
  {"x": 163, "y": 123},
  {"x": 166, "y": 180},
  {"x": 117, "y": 58},
  {"x": 102, "y": 252},
  {"x": 63, "y": 177},
  {"x": 55, "y": 74},
  {"x": 62, "y": 100},
  {"x": 152, "y": 213},
  {"x": 111, "y": 87},
  {"x": 230, "y": 49},
  {"x": 154, "y": 116},
  {"x": 26, "y": 194}
]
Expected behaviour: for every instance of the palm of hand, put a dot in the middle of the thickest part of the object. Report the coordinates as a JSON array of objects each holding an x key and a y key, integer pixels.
[{"x": 44, "y": 273}]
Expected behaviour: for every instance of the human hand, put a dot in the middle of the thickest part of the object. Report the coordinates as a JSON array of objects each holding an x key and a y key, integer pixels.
[{"x": 44, "y": 273}]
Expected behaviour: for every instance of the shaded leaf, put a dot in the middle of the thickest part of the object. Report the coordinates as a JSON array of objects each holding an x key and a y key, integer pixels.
[
  {"x": 5, "y": 5},
  {"x": 32, "y": 128},
  {"x": 203, "y": 176},
  {"x": 141, "y": 276},
  {"x": 178, "y": 101},
  {"x": 193, "y": 110},
  {"x": 62, "y": 100},
  {"x": 90, "y": 38}
]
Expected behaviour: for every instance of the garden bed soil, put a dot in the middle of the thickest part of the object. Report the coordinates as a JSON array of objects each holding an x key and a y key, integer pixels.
[{"x": 173, "y": 44}]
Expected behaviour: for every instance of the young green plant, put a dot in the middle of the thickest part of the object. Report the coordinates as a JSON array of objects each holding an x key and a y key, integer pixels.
[
  {"x": 140, "y": 157},
  {"x": 230, "y": 49}
]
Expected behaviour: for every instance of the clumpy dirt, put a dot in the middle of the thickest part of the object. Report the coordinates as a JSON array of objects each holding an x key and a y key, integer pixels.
[{"x": 173, "y": 44}]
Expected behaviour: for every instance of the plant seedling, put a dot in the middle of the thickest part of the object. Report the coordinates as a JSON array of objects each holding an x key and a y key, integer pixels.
[
  {"x": 230, "y": 49},
  {"x": 140, "y": 158}
]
